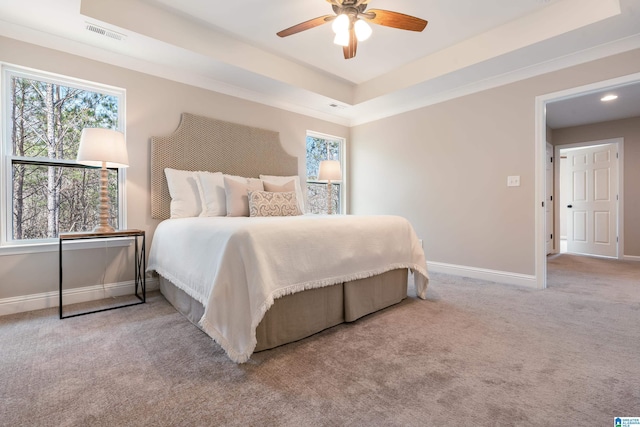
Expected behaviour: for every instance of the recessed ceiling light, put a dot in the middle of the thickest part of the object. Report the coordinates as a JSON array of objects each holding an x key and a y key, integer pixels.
[{"x": 609, "y": 98}]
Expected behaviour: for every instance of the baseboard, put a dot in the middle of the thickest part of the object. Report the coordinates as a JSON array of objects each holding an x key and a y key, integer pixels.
[
  {"x": 71, "y": 296},
  {"x": 631, "y": 258},
  {"x": 509, "y": 278}
]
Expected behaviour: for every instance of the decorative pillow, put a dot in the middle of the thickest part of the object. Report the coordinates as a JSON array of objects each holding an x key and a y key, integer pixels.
[
  {"x": 266, "y": 203},
  {"x": 274, "y": 188},
  {"x": 185, "y": 199},
  {"x": 283, "y": 180},
  {"x": 212, "y": 194},
  {"x": 237, "y": 194}
]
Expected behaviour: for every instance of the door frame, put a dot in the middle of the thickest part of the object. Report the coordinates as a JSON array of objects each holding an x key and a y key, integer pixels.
[
  {"x": 540, "y": 147},
  {"x": 553, "y": 199},
  {"x": 619, "y": 142}
]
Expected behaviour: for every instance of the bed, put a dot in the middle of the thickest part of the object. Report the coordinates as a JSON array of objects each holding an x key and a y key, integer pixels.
[{"x": 254, "y": 283}]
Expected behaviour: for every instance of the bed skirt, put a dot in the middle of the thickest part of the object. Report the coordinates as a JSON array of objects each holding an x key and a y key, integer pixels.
[{"x": 297, "y": 316}]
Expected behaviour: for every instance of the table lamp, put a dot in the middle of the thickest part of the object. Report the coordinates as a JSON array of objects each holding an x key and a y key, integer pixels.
[
  {"x": 103, "y": 148},
  {"x": 330, "y": 171}
]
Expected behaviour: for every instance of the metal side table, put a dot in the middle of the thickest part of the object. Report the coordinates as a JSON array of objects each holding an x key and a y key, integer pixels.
[{"x": 140, "y": 263}]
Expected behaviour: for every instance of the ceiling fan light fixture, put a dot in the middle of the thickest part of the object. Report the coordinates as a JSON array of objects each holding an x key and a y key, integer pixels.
[
  {"x": 362, "y": 29},
  {"x": 342, "y": 38},
  {"x": 341, "y": 24},
  {"x": 350, "y": 23}
]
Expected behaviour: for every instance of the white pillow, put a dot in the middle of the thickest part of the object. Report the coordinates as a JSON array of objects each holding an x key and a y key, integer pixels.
[
  {"x": 275, "y": 188},
  {"x": 212, "y": 195},
  {"x": 282, "y": 180},
  {"x": 185, "y": 199},
  {"x": 237, "y": 190}
]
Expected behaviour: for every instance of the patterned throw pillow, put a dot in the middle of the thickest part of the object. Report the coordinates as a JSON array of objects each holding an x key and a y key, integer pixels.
[
  {"x": 265, "y": 203},
  {"x": 285, "y": 180}
]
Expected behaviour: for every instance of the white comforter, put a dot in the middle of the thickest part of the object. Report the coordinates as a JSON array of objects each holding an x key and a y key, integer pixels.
[{"x": 236, "y": 267}]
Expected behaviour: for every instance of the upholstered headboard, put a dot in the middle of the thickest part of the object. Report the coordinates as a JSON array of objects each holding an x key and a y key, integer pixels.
[{"x": 206, "y": 144}]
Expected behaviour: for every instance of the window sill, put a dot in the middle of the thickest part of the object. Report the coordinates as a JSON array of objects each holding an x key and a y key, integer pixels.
[{"x": 52, "y": 246}]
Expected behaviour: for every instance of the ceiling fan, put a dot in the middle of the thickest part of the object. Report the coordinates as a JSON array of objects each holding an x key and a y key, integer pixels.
[{"x": 350, "y": 23}]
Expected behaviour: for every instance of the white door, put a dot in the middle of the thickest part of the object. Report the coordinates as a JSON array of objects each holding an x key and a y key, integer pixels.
[
  {"x": 592, "y": 210},
  {"x": 549, "y": 199}
]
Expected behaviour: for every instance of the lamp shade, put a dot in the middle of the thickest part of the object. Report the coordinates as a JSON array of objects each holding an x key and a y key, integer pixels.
[
  {"x": 342, "y": 38},
  {"x": 99, "y": 145},
  {"x": 362, "y": 29},
  {"x": 330, "y": 170},
  {"x": 341, "y": 23}
]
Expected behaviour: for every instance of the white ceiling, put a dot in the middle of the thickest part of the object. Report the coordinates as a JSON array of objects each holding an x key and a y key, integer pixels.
[
  {"x": 257, "y": 22},
  {"x": 231, "y": 47},
  {"x": 588, "y": 108}
]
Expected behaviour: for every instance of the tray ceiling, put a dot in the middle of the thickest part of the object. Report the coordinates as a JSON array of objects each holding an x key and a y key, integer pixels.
[{"x": 232, "y": 47}]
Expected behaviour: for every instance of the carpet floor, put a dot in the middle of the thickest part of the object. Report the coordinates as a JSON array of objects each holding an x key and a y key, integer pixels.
[{"x": 474, "y": 353}]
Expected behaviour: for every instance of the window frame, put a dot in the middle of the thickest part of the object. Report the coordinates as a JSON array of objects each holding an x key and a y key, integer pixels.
[
  {"x": 9, "y": 246},
  {"x": 343, "y": 166}
]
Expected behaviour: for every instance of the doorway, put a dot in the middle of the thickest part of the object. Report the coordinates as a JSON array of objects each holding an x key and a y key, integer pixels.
[{"x": 541, "y": 131}]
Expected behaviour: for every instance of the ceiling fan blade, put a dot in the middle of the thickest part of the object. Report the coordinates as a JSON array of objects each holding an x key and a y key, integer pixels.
[
  {"x": 394, "y": 19},
  {"x": 350, "y": 51},
  {"x": 306, "y": 25}
]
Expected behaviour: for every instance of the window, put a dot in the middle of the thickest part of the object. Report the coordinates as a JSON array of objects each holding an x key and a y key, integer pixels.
[
  {"x": 324, "y": 147},
  {"x": 45, "y": 191}
]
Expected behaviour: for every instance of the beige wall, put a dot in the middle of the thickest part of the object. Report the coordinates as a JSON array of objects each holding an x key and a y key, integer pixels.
[
  {"x": 153, "y": 108},
  {"x": 445, "y": 168},
  {"x": 629, "y": 129}
]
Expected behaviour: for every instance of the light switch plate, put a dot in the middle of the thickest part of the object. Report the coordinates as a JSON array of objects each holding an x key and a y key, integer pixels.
[{"x": 513, "y": 181}]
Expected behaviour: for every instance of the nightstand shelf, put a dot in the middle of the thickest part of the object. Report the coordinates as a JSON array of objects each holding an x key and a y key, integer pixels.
[{"x": 140, "y": 263}]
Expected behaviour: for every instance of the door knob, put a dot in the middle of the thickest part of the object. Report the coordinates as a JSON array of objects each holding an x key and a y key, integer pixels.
[{"x": 569, "y": 206}]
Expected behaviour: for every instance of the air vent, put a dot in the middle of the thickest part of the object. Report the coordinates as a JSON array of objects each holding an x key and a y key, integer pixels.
[
  {"x": 104, "y": 32},
  {"x": 338, "y": 106}
]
